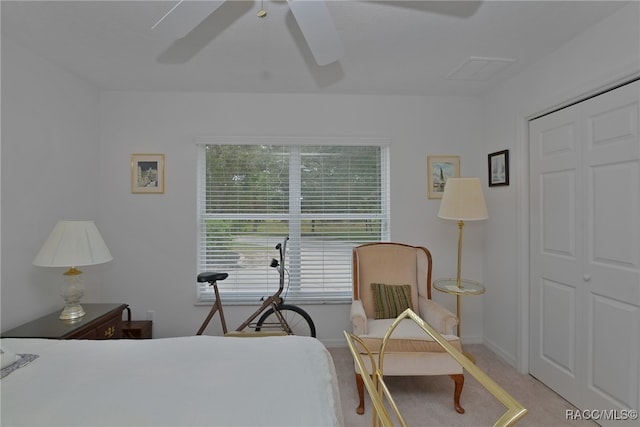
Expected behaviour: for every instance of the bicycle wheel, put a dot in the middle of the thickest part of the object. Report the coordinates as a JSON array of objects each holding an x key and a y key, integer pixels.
[{"x": 299, "y": 321}]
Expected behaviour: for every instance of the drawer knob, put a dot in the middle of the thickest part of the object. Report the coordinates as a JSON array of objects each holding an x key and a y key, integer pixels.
[{"x": 110, "y": 331}]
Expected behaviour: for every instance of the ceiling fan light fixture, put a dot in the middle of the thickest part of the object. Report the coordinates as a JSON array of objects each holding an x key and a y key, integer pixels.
[{"x": 262, "y": 13}]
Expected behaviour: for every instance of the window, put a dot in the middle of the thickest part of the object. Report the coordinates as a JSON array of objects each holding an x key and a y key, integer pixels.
[{"x": 326, "y": 198}]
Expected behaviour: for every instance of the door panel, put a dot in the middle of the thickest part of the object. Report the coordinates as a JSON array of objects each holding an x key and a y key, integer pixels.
[
  {"x": 558, "y": 214},
  {"x": 612, "y": 189},
  {"x": 558, "y": 326},
  {"x": 613, "y": 358}
]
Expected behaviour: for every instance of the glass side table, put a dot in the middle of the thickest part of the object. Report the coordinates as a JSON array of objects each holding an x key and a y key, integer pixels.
[{"x": 467, "y": 287}]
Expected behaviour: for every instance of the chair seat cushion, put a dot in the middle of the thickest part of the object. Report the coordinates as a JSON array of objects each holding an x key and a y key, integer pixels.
[{"x": 408, "y": 337}]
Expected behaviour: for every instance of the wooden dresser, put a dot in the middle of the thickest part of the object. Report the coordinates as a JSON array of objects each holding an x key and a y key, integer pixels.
[{"x": 101, "y": 322}]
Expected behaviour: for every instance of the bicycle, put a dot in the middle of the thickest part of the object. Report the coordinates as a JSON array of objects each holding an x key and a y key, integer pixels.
[{"x": 277, "y": 317}]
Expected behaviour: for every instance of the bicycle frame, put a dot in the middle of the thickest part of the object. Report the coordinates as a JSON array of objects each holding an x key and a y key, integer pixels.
[{"x": 272, "y": 301}]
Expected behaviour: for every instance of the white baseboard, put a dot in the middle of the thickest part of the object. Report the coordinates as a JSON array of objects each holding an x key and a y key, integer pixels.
[
  {"x": 472, "y": 340},
  {"x": 511, "y": 360}
]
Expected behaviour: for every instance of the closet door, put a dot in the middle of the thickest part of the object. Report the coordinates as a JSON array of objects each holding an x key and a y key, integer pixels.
[
  {"x": 585, "y": 251},
  {"x": 611, "y": 271},
  {"x": 556, "y": 250}
]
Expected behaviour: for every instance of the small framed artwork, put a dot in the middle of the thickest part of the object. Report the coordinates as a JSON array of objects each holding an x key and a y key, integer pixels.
[
  {"x": 147, "y": 173},
  {"x": 498, "y": 164},
  {"x": 439, "y": 169}
]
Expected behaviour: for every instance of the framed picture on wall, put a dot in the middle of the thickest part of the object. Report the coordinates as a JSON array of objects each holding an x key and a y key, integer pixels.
[
  {"x": 498, "y": 166},
  {"x": 147, "y": 173},
  {"x": 439, "y": 169}
]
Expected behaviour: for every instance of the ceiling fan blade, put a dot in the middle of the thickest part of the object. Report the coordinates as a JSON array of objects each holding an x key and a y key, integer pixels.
[
  {"x": 184, "y": 17},
  {"x": 318, "y": 29}
]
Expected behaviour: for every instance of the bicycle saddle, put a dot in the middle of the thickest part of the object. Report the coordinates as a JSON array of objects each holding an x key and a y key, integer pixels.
[{"x": 211, "y": 276}]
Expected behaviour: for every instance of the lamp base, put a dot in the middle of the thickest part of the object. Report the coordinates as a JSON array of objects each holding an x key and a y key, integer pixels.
[
  {"x": 72, "y": 312},
  {"x": 72, "y": 292}
]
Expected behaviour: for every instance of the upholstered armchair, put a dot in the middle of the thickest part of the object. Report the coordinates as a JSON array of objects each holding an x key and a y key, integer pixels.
[{"x": 387, "y": 279}]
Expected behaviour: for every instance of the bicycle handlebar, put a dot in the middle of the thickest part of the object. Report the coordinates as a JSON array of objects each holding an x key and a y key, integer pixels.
[{"x": 282, "y": 248}]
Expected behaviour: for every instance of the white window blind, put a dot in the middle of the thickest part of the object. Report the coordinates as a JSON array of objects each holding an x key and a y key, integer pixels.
[{"x": 325, "y": 198}]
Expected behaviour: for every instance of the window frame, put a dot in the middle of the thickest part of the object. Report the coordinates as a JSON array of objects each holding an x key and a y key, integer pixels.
[{"x": 204, "y": 293}]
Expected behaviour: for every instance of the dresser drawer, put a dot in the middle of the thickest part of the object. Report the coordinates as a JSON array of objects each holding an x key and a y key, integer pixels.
[{"x": 110, "y": 329}]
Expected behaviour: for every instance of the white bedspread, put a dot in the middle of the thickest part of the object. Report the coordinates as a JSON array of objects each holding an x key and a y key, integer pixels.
[{"x": 187, "y": 381}]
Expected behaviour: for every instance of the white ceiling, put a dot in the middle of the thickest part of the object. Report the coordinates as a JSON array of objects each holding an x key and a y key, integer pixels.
[{"x": 391, "y": 47}]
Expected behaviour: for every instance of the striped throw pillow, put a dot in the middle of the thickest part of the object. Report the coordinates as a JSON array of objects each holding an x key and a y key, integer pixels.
[{"x": 390, "y": 300}]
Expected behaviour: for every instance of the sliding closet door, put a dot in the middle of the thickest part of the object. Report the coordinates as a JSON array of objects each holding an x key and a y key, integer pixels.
[
  {"x": 556, "y": 245},
  {"x": 611, "y": 271},
  {"x": 585, "y": 251}
]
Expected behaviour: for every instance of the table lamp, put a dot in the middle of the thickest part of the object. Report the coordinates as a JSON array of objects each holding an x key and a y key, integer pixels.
[{"x": 73, "y": 244}]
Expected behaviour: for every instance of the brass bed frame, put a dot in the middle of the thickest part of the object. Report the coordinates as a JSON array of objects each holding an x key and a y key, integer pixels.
[{"x": 379, "y": 393}]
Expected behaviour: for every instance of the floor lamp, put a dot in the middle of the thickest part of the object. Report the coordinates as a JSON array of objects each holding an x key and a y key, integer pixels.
[{"x": 462, "y": 201}]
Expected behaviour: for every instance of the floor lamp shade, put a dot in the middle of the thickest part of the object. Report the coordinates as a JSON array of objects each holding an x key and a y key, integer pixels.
[
  {"x": 463, "y": 200},
  {"x": 73, "y": 244}
]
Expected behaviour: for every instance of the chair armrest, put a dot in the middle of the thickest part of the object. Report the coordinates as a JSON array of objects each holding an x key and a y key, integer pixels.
[
  {"x": 358, "y": 318},
  {"x": 440, "y": 318}
]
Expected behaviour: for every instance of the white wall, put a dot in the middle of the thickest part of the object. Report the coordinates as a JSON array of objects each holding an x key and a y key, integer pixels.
[
  {"x": 602, "y": 54},
  {"x": 49, "y": 172},
  {"x": 66, "y": 152},
  {"x": 153, "y": 237}
]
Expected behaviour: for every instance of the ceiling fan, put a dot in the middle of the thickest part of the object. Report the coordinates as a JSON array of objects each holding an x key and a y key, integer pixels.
[{"x": 312, "y": 17}]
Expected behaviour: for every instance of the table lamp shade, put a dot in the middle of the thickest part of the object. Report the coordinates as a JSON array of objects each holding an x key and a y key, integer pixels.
[
  {"x": 73, "y": 244},
  {"x": 463, "y": 200}
]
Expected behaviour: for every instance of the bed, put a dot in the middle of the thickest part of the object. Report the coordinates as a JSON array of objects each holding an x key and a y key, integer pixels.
[{"x": 185, "y": 381}]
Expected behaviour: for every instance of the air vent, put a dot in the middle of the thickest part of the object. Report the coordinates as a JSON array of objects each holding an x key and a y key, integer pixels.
[{"x": 479, "y": 68}]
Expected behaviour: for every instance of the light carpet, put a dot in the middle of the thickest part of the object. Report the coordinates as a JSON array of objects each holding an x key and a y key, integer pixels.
[{"x": 428, "y": 401}]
